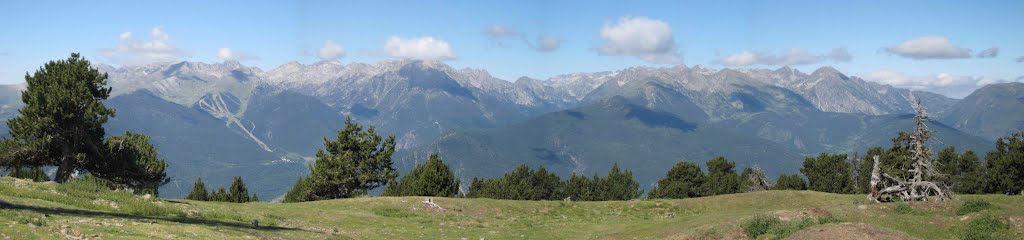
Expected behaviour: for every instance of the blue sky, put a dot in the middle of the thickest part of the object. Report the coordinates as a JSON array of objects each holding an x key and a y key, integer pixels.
[{"x": 947, "y": 47}]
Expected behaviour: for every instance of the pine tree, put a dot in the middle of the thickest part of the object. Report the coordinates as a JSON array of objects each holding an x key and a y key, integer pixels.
[
  {"x": 299, "y": 192},
  {"x": 1006, "y": 165},
  {"x": 579, "y": 188},
  {"x": 722, "y": 177},
  {"x": 521, "y": 183},
  {"x": 897, "y": 160},
  {"x": 960, "y": 172},
  {"x": 828, "y": 173},
  {"x": 618, "y": 185},
  {"x": 357, "y": 161},
  {"x": 486, "y": 188},
  {"x": 970, "y": 178},
  {"x": 684, "y": 180},
  {"x": 220, "y": 195},
  {"x": 254, "y": 198},
  {"x": 198, "y": 191},
  {"x": 239, "y": 193},
  {"x": 545, "y": 185},
  {"x": 790, "y": 182},
  {"x": 133, "y": 163},
  {"x": 61, "y": 125},
  {"x": 516, "y": 185},
  {"x": 432, "y": 178}
]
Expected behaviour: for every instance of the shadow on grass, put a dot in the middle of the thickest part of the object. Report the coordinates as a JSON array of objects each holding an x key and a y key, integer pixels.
[{"x": 183, "y": 220}]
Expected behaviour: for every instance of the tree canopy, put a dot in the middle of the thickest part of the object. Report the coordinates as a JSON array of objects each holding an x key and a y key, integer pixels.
[
  {"x": 61, "y": 123},
  {"x": 199, "y": 192},
  {"x": 790, "y": 182},
  {"x": 432, "y": 178},
  {"x": 828, "y": 173},
  {"x": 722, "y": 177},
  {"x": 684, "y": 180},
  {"x": 524, "y": 183},
  {"x": 1006, "y": 165},
  {"x": 355, "y": 162}
]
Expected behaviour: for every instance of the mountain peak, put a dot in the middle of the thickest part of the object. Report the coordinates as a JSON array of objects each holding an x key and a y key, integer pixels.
[
  {"x": 826, "y": 70},
  {"x": 329, "y": 62},
  {"x": 1001, "y": 87},
  {"x": 525, "y": 80},
  {"x": 784, "y": 69}
]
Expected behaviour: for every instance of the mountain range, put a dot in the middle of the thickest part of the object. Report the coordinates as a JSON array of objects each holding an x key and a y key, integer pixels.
[{"x": 226, "y": 119}]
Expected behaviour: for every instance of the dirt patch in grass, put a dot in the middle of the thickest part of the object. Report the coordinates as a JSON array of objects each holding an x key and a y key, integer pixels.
[
  {"x": 736, "y": 234},
  {"x": 848, "y": 231},
  {"x": 789, "y": 215}
]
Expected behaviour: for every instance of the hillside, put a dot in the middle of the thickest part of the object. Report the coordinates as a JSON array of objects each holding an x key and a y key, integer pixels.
[
  {"x": 649, "y": 132},
  {"x": 46, "y": 210},
  {"x": 991, "y": 112},
  {"x": 591, "y": 139}
]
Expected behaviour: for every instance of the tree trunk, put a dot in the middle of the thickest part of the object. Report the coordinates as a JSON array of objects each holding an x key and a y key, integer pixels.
[
  {"x": 66, "y": 167},
  {"x": 876, "y": 179},
  {"x": 63, "y": 171}
]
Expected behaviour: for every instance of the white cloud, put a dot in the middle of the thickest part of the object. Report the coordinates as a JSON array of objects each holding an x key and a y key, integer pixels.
[
  {"x": 794, "y": 56},
  {"x": 497, "y": 33},
  {"x": 989, "y": 53},
  {"x": 745, "y": 58},
  {"x": 330, "y": 51},
  {"x": 929, "y": 47},
  {"x": 226, "y": 54},
  {"x": 943, "y": 83},
  {"x": 1019, "y": 60},
  {"x": 648, "y": 39},
  {"x": 423, "y": 48},
  {"x": 131, "y": 51},
  {"x": 840, "y": 55},
  {"x": 547, "y": 43}
]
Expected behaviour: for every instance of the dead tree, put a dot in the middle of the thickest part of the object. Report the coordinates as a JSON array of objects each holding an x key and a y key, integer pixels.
[
  {"x": 886, "y": 188},
  {"x": 758, "y": 180}
]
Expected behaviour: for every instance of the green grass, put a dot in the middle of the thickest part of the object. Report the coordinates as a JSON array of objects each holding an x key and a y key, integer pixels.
[{"x": 50, "y": 211}]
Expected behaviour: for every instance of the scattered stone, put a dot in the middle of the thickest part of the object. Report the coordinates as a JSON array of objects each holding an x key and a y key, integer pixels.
[
  {"x": 255, "y": 223},
  {"x": 670, "y": 215},
  {"x": 147, "y": 196},
  {"x": 862, "y": 207},
  {"x": 430, "y": 203}
]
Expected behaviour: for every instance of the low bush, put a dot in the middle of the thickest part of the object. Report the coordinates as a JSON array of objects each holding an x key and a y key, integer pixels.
[
  {"x": 971, "y": 206},
  {"x": 760, "y": 225},
  {"x": 775, "y": 228},
  {"x": 987, "y": 227},
  {"x": 904, "y": 208}
]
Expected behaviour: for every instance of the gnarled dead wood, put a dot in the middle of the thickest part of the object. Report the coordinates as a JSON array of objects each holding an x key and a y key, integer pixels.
[{"x": 884, "y": 187}]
